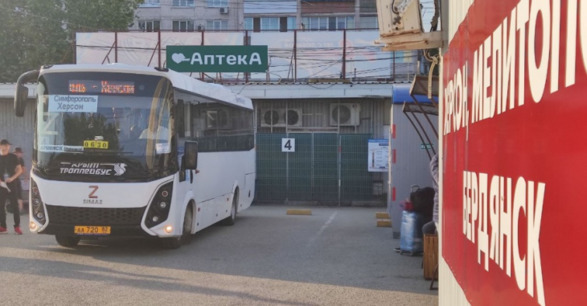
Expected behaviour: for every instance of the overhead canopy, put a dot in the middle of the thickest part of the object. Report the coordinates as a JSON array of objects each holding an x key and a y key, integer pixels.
[
  {"x": 407, "y": 93},
  {"x": 420, "y": 108},
  {"x": 422, "y": 83},
  {"x": 400, "y": 93}
]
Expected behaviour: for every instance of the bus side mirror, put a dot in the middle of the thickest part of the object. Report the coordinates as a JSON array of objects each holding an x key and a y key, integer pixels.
[
  {"x": 190, "y": 156},
  {"x": 22, "y": 92}
]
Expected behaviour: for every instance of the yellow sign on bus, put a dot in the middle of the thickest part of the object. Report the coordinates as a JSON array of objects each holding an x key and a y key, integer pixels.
[{"x": 95, "y": 144}]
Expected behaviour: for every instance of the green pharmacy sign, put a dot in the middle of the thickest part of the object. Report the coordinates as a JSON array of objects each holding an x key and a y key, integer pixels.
[{"x": 217, "y": 58}]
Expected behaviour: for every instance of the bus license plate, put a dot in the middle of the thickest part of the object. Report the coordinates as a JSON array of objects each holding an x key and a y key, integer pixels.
[
  {"x": 95, "y": 144},
  {"x": 92, "y": 230}
]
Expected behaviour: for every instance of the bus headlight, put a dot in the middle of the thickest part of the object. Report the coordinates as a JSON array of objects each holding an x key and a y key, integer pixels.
[
  {"x": 159, "y": 207},
  {"x": 38, "y": 211}
]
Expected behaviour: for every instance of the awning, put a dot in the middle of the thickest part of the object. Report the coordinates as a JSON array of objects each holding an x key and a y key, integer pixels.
[{"x": 400, "y": 93}]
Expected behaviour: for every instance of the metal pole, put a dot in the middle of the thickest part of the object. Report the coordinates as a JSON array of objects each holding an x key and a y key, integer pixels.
[
  {"x": 393, "y": 67},
  {"x": 74, "y": 49},
  {"x": 295, "y": 56},
  {"x": 159, "y": 44},
  {"x": 247, "y": 42},
  {"x": 286, "y": 175},
  {"x": 339, "y": 166},
  {"x": 313, "y": 164},
  {"x": 343, "y": 54},
  {"x": 116, "y": 47},
  {"x": 201, "y": 44}
]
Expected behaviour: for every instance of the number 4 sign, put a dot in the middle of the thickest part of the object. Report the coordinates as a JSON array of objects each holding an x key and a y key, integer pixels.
[{"x": 288, "y": 144}]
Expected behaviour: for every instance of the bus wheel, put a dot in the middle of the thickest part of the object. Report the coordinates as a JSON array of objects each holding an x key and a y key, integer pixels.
[
  {"x": 176, "y": 242},
  {"x": 67, "y": 241},
  {"x": 230, "y": 220}
]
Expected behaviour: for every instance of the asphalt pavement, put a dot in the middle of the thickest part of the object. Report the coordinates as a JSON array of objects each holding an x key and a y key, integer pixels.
[{"x": 335, "y": 256}]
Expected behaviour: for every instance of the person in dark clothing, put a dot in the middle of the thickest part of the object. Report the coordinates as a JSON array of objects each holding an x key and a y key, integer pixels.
[
  {"x": 10, "y": 170},
  {"x": 18, "y": 153}
]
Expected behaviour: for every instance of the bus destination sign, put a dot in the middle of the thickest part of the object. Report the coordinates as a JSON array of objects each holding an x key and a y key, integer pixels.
[{"x": 103, "y": 86}]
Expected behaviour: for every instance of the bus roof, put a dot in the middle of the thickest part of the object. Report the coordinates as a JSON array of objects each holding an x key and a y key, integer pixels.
[{"x": 208, "y": 91}]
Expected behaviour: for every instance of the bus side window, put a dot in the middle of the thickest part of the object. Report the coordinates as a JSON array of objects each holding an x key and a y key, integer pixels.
[
  {"x": 190, "y": 156},
  {"x": 180, "y": 118},
  {"x": 198, "y": 121}
]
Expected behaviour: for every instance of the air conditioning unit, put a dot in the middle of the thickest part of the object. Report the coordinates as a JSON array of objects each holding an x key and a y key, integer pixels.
[
  {"x": 398, "y": 17},
  {"x": 293, "y": 117},
  {"x": 224, "y": 10},
  {"x": 272, "y": 117},
  {"x": 345, "y": 114},
  {"x": 277, "y": 117}
]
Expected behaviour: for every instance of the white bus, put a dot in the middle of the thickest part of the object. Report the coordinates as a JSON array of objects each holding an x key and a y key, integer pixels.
[{"x": 134, "y": 151}]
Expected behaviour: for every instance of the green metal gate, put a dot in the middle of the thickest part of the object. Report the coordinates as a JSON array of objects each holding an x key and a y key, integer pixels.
[{"x": 325, "y": 168}]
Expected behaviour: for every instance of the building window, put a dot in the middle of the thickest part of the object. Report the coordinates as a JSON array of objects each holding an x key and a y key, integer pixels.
[
  {"x": 329, "y": 23},
  {"x": 150, "y": 3},
  {"x": 149, "y": 25},
  {"x": 315, "y": 23},
  {"x": 217, "y": 24},
  {"x": 291, "y": 23},
  {"x": 183, "y": 26},
  {"x": 217, "y": 3},
  {"x": 248, "y": 23},
  {"x": 269, "y": 23},
  {"x": 183, "y": 3},
  {"x": 369, "y": 22},
  {"x": 344, "y": 22}
]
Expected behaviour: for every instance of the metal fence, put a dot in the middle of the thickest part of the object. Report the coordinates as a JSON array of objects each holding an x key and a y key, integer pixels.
[{"x": 326, "y": 168}]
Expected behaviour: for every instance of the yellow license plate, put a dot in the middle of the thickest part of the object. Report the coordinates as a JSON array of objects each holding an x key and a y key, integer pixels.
[
  {"x": 92, "y": 230},
  {"x": 95, "y": 144}
]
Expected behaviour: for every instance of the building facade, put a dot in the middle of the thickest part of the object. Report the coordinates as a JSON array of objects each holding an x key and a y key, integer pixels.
[
  {"x": 188, "y": 15},
  {"x": 254, "y": 15}
]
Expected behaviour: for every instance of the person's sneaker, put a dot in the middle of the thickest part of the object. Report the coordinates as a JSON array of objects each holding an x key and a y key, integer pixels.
[
  {"x": 2, "y": 229},
  {"x": 17, "y": 230}
]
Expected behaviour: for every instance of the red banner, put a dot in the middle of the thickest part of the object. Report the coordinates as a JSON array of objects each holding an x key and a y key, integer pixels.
[{"x": 515, "y": 153}]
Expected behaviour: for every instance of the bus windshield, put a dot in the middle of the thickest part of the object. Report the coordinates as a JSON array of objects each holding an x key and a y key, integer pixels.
[{"x": 104, "y": 127}]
